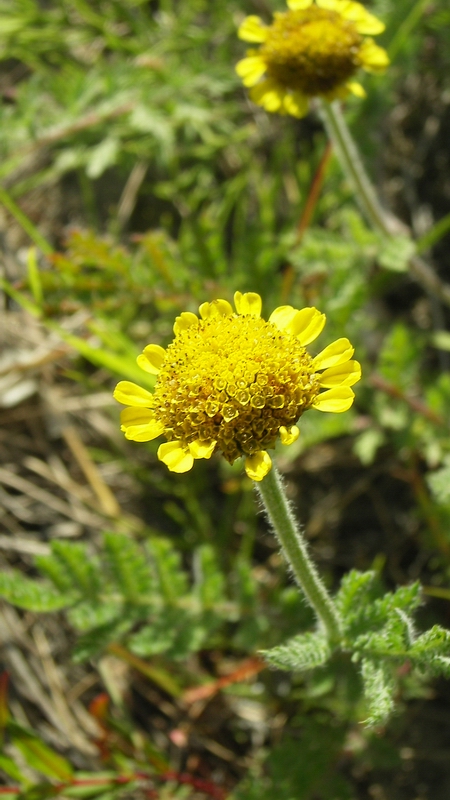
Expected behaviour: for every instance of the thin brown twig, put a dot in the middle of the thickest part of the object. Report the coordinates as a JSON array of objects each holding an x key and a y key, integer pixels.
[
  {"x": 307, "y": 213},
  {"x": 314, "y": 192},
  {"x": 378, "y": 382},
  {"x": 250, "y": 667},
  {"x": 182, "y": 778},
  {"x": 130, "y": 192},
  {"x": 108, "y": 503}
]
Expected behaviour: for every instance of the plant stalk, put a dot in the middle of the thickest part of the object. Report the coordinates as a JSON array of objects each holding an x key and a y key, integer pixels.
[
  {"x": 350, "y": 159},
  {"x": 295, "y": 550},
  {"x": 351, "y": 163}
]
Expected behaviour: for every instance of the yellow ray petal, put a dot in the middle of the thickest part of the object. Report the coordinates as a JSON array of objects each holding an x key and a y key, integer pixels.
[
  {"x": 372, "y": 57},
  {"x": 313, "y": 330},
  {"x": 248, "y": 303},
  {"x": 343, "y": 375},
  {"x": 283, "y": 316},
  {"x": 269, "y": 94},
  {"x": 252, "y": 29},
  {"x": 250, "y": 69},
  {"x": 369, "y": 24},
  {"x": 289, "y": 435},
  {"x": 151, "y": 360},
  {"x": 218, "y": 308},
  {"x": 307, "y": 325},
  {"x": 364, "y": 21},
  {"x": 334, "y": 400},
  {"x": 139, "y": 425},
  {"x": 258, "y": 465},
  {"x": 130, "y": 394},
  {"x": 355, "y": 88},
  {"x": 199, "y": 449},
  {"x": 296, "y": 104},
  {"x": 141, "y": 416},
  {"x": 330, "y": 5},
  {"x": 337, "y": 352},
  {"x": 176, "y": 457},
  {"x": 184, "y": 322},
  {"x": 298, "y": 5}
]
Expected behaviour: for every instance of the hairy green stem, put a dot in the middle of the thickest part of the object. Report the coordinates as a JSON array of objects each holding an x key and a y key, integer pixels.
[
  {"x": 351, "y": 163},
  {"x": 295, "y": 550},
  {"x": 348, "y": 154}
]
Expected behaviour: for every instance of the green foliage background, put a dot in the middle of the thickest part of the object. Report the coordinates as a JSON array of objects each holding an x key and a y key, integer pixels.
[{"x": 96, "y": 94}]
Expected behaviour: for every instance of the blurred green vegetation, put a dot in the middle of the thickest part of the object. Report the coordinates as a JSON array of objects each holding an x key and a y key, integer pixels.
[{"x": 133, "y": 161}]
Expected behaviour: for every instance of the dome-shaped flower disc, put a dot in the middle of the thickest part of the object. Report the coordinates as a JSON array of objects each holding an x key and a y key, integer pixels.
[
  {"x": 234, "y": 383},
  {"x": 313, "y": 49}
]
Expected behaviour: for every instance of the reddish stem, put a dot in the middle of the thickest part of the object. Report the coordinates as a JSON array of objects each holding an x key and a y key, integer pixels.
[
  {"x": 250, "y": 667},
  {"x": 199, "y": 784},
  {"x": 378, "y": 382},
  {"x": 314, "y": 192},
  {"x": 307, "y": 213}
]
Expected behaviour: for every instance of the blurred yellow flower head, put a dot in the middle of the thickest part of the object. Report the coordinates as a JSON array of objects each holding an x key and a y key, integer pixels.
[
  {"x": 235, "y": 383},
  {"x": 313, "y": 49}
]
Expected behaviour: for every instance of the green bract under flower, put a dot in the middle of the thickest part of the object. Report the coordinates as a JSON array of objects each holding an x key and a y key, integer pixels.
[
  {"x": 234, "y": 383},
  {"x": 312, "y": 50}
]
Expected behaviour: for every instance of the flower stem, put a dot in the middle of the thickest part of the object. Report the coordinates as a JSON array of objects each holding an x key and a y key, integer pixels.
[
  {"x": 351, "y": 163},
  {"x": 295, "y": 550}
]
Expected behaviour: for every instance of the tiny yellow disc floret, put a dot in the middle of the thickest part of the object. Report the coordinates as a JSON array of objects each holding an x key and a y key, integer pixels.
[
  {"x": 234, "y": 383},
  {"x": 311, "y": 51},
  {"x": 234, "y": 380}
]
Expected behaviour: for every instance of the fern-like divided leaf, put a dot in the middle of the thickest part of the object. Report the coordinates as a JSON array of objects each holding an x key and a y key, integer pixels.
[
  {"x": 184, "y": 622},
  {"x": 362, "y": 611},
  {"x": 355, "y": 591},
  {"x": 128, "y": 567},
  {"x": 97, "y": 639},
  {"x": 379, "y": 689},
  {"x": 392, "y": 642},
  {"x": 70, "y": 568},
  {"x": 33, "y": 595},
  {"x": 171, "y": 580},
  {"x": 300, "y": 653},
  {"x": 380, "y": 633},
  {"x": 137, "y": 594},
  {"x": 86, "y": 615},
  {"x": 431, "y": 651},
  {"x": 174, "y": 631},
  {"x": 209, "y": 581}
]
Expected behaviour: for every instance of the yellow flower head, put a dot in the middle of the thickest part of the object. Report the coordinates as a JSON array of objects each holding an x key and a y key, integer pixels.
[
  {"x": 234, "y": 383},
  {"x": 314, "y": 49}
]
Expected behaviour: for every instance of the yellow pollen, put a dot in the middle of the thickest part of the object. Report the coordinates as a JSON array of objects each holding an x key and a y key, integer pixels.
[
  {"x": 312, "y": 51},
  {"x": 233, "y": 380}
]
